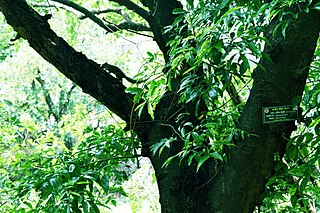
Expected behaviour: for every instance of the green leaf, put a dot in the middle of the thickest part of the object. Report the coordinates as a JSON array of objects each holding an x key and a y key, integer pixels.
[
  {"x": 68, "y": 208},
  {"x": 263, "y": 8},
  {"x": 196, "y": 137},
  {"x": 114, "y": 202},
  {"x": 202, "y": 160},
  {"x": 231, "y": 10},
  {"x": 178, "y": 11},
  {"x": 315, "y": 122},
  {"x": 183, "y": 132},
  {"x": 134, "y": 90},
  {"x": 294, "y": 200},
  {"x": 216, "y": 155},
  {"x": 178, "y": 19},
  {"x": 54, "y": 183},
  {"x": 85, "y": 206},
  {"x": 261, "y": 67},
  {"x": 190, "y": 158},
  {"x": 304, "y": 183},
  {"x": 94, "y": 208},
  {"x": 223, "y": 4},
  {"x": 105, "y": 183},
  {"x": 150, "y": 110},
  {"x": 257, "y": 52},
  {"x": 168, "y": 161},
  {"x": 243, "y": 69},
  {"x": 165, "y": 142},
  {"x": 191, "y": 3},
  {"x": 90, "y": 177},
  {"x": 284, "y": 28},
  {"x": 156, "y": 147},
  {"x": 28, "y": 204},
  {"x": 150, "y": 54},
  {"x": 276, "y": 28}
]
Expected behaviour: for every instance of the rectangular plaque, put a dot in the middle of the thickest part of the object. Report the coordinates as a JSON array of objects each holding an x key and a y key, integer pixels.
[{"x": 279, "y": 114}]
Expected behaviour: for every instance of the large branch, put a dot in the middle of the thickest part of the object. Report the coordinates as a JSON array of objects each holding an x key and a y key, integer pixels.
[
  {"x": 74, "y": 65},
  {"x": 159, "y": 16},
  {"x": 126, "y": 25},
  {"x": 162, "y": 13},
  {"x": 252, "y": 162}
]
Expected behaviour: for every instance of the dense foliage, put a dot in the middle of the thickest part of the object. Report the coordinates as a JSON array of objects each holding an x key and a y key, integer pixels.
[
  {"x": 61, "y": 151},
  {"x": 224, "y": 42}
]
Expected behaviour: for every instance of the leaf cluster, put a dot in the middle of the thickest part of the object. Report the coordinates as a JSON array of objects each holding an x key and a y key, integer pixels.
[
  {"x": 44, "y": 167},
  {"x": 148, "y": 95},
  {"x": 77, "y": 180},
  {"x": 213, "y": 49}
]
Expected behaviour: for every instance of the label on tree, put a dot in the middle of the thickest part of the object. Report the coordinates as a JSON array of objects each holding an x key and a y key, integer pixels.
[{"x": 279, "y": 114}]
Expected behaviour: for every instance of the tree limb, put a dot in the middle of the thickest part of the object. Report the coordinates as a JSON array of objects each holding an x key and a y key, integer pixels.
[
  {"x": 160, "y": 16},
  {"x": 48, "y": 98},
  {"x": 252, "y": 161},
  {"x": 135, "y": 8},
  {"x": 127, "y": 24},
  {"x": 98, "y": 12},
  {"x": 86, "y": 12},
  {"x": 86, "y": 73},
  {"x": 64, "y": 99}
]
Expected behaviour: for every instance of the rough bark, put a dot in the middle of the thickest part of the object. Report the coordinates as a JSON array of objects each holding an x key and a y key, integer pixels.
[
  {"x": 162, "y": 16},
  {"x": 238, "y": 186},
  {"x": 234, "y": 187},
  {"x": 252, "y": 162}
]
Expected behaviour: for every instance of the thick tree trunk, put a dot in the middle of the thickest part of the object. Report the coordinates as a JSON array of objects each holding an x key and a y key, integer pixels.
[
  {"x": 238, "y": 186},
  {"x": 234, "y": 187}
]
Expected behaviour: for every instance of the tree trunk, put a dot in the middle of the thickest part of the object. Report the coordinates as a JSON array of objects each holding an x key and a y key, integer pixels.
[
  {"x": 238, "y": 185},
  {"x": 234, "y": 187}
]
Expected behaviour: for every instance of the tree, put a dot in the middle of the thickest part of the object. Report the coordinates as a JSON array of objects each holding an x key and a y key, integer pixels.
[{"x": 206, "y": 159}]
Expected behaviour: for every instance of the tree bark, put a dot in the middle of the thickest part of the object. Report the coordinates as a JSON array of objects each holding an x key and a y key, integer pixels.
[
  {"x": 234, "y": 187},
  {"x": 238, "y": 185}
]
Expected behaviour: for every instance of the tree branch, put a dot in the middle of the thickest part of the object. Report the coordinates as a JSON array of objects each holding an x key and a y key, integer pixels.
[
  {"x": 48, "y": 98},
  {"x": 86, "y": 73},
  {"x": 252, "y": 162},
  {"x": 162, "y": 16},
  {"x": 127, "y": 24},
  {"x": 86, "y": 12},
  {"x": 98, "y": 12},
  {"x": 135, "y": 8},
  {"x": 64, "y": 99}
]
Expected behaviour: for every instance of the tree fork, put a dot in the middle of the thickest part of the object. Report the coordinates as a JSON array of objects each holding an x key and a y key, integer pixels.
[{"x": 239, "y": 184}]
